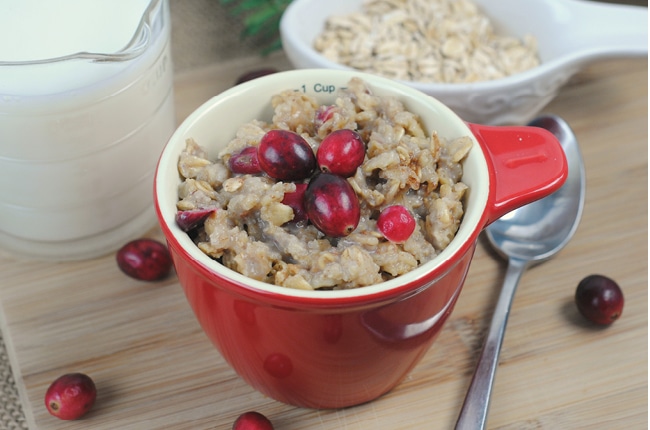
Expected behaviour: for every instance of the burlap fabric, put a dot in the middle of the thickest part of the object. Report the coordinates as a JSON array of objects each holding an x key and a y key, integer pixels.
[
  {"x": 204, "y": 33},
  {"x": 11, "y": 412}
]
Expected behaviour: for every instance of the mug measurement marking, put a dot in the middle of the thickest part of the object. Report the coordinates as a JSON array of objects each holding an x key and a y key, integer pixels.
[{"x": 320, "y": 88}]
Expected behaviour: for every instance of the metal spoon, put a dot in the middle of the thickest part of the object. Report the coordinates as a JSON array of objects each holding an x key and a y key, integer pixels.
[{"x": 526, "y": 236}]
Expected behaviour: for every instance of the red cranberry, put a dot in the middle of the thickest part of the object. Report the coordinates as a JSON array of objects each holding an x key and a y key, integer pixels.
[
  {"x": 144, "y": 259},
  {"x": 252, "y": 421},
  {"x": 245, "y": 161},
  {"x": 70, "y": 396},
  {"x": 295, "y": 199},
  {"x": 254, "y": 74},
  {"x": 599, "y": 299},
  {"x": 286, "y": 156},
  {"x": 323, "y": 114},
  {"x": 341, "y": 152},
  {"x": 332, "y": 205},
  {"x": 189, "y": 220},
  {"x": 396, "y": 223}
]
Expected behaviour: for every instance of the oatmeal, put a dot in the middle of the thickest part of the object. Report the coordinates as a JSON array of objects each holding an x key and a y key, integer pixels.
[
  {"x": 254, "y": 222},
  {"x": 446, "y": 41}
]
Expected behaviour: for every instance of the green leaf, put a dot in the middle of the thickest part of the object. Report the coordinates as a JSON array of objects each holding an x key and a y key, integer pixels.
[
  {"x": 261, "y": 19},
  {"x": 249, "y": 5}
]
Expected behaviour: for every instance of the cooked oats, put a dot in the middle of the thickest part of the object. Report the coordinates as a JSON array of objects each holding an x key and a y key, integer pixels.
[{"x": 252, "y": 233}]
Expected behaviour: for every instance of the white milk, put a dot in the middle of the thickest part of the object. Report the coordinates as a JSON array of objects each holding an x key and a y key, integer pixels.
[{"x": 79, "y": 139}]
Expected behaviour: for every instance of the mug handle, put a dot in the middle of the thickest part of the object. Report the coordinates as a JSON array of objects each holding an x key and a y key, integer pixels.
[{"x": 525, "y": 164}]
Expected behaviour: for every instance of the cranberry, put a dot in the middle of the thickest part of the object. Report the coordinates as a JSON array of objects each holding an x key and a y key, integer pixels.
[
  {"x": 70, "y": 396},
  {"x": 254, "y": 74},
  {"x": 245, "y": 161},
  {"x": 396, "y": 223},
  {"x": 144, "y": 259},
  {"x": 599, "y": 299},
  {"x": 341, "y": 152},
  {"x": 252, "y": 421},
  {"x": 189, "y": 220},
  {"x": 295, "y": 199},
  {"x": 323, "y": 114},
  {"x": 332, "y": 205},
  {"x": 286, "y": 156}
]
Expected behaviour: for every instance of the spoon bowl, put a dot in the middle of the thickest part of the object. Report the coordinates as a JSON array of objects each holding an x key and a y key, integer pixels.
[
  {"x": 537, "y": 231},
  {"x": 526, "y": 236},
  {"x": 570, "y": 34}
]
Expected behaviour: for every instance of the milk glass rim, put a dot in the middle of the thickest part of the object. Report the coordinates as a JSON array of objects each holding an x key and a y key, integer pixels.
[{"x": 138, "y": 43}]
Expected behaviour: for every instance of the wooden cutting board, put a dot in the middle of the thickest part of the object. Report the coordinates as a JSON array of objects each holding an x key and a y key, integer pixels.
[{"x": 155, "y": 369}]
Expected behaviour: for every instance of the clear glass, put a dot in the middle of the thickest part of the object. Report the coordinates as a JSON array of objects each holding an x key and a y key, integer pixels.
[{"x": 80, "y": 135}]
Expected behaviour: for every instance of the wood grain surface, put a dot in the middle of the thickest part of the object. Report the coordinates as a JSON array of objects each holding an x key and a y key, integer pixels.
[{"x": 155, "y": 369}]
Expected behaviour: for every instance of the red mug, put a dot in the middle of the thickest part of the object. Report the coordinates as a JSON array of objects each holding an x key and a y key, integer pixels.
[{"x": 333, "y": 349}]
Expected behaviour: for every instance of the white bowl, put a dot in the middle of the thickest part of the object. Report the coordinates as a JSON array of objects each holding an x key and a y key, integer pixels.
[{"x": 570, "y": 34}]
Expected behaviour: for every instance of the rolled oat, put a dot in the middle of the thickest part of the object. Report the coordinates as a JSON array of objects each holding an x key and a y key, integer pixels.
[{"x": 446, "y": 41}]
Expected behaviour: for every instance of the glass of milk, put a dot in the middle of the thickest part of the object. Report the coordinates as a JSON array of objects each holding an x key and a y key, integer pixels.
[{"x": 86, "y": 106}]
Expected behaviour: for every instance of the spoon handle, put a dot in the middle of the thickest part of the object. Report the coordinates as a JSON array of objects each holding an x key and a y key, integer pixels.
[{"x": 473, "y": 415}]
